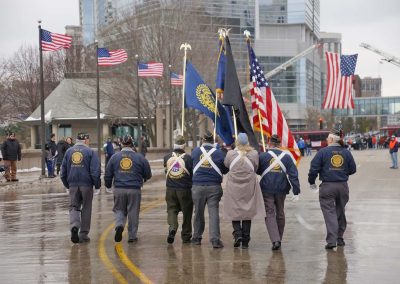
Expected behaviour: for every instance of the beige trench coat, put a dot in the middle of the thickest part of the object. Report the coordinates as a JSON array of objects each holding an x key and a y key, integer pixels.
[{"x": 242, "y": 199}]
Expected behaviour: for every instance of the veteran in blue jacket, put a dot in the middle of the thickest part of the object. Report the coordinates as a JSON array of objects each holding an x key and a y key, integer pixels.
[
  {"x": 129, "y": 170},
  {"x": 80, "y": 172},
  {"x": 278, "y": 175},
  {"x": 208, "y": 171},
  {"x": 334, "y": 164}
]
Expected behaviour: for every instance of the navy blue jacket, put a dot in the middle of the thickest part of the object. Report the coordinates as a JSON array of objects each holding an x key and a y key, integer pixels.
[
  {"x": 178, "y": 178},
  {"x": 206, "y": 175},
  {"x": 128, "y": 169},
  {"x": 333, "y": 164},
  {"x": 109, "y": 149},
  {"x": 80, "y": 167},
  {"x": 277, "y": 181}
]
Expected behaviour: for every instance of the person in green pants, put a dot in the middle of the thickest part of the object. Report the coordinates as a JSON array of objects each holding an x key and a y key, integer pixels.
[{"x": 179, "y": 170}]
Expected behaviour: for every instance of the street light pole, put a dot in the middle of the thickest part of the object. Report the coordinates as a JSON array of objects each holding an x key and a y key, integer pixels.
[{"x": 42, "y": 123}]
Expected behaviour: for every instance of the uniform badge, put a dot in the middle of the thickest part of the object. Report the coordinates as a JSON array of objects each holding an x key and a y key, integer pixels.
[
  {"x": 125, "y": 164},
  {"x": 337, "y": 161},
  {"x": 206, "y": 163},
  {"x": 77, "y": 158},
  {"x": 276, "y": 168},
  {"x": 176, "y": 171}
]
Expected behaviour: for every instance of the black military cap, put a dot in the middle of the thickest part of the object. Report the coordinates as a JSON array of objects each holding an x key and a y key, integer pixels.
[
  {"x": 180, "y": 140},
  {"x": 208, "y": 136},
  {"x": 127, "y": 140},
  {"x": 275, "y": 139},
  {"x": 82, "y": 136}
]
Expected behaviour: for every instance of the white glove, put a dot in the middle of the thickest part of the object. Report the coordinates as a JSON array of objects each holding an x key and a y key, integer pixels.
[
  {"x": 313, "y": 187},
  {"x": 109, "y": 190},
  {"x": 96, "y": 191},
  {"x": 66, "y": 190},
  {"x": 295, "y": 198}
]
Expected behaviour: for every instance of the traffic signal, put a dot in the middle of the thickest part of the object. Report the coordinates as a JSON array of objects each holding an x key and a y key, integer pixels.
[{"x": 321, "y": 124}]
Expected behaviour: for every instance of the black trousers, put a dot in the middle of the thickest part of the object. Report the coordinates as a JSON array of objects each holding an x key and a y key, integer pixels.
[{"x": 242, "y": 229}]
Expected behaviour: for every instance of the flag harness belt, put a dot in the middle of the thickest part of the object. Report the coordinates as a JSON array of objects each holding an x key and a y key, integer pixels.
[
  {"x": 238, "y": 157},
  {"x": 179, "y": 160},
  {"x": 277, "y": 160},
  {"x": 207, "y": 157}
]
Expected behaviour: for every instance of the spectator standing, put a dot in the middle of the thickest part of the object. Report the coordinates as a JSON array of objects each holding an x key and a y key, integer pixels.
[
  {"x": 393, "y": 149},
  {"x": 308, "y": 147},
  {"x": 11, "y": 151},
  {"x": 52, "y": 147},
  {"x": 301, "y": 146},
  {"x": 108, "y": 150}
]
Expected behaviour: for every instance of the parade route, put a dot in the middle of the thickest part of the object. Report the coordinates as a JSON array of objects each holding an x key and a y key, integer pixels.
[{"x": 36, "y": 246}]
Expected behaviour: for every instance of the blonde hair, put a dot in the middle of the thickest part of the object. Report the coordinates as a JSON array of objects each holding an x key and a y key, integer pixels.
[{"x": 244, "y": 148}]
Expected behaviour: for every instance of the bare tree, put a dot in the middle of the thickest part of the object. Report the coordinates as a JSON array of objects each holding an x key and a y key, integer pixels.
[{"x": 312, "y": 118}]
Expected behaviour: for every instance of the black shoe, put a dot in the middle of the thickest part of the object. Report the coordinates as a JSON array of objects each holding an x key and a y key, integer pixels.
[
  {"x": 276, "y": 245},
  {"x": 133, "y": 240},
  {"x": 237, "y": 242},
  {"x": 74, "y": 235},
  {"x": 245, "y": 245},
  {"x": 186, "y": 241},
  {"x": 217, "y": 244},
  {"x": 340, "y": 242},
  {"x": 15, "y": 179},
  {"x": 84, "y": 240},
  {"x": 171, "y": 236},
  {"x": 196, "y": 242},
  {"x": 118, "y": 234},
  {"x": 330, "y": 246}
]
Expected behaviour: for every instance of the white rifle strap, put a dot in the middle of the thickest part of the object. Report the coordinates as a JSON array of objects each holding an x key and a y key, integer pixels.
[
  {"x": 237, "y": 158},
  {"x": 207, "y": 157},
  {"x": 178, "y": 159},
  {"x": 277, "y": 160}
]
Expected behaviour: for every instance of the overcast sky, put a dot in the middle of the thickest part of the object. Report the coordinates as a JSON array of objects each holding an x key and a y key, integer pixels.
[{"x": 371, "y": 21}]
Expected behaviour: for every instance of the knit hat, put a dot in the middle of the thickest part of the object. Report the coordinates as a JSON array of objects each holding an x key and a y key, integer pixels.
[{"x": 242, "y": 139}]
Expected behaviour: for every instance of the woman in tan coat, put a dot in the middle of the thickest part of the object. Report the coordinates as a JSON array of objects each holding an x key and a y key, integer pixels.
[{"x": 242, "y": 197}]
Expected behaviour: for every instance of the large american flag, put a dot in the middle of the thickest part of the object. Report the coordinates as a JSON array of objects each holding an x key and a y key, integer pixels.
[
  {"x": 339, "y": 85},
  {"x": 153, "y": 69},
  {"x": 176, "y": 80},
  {"x": 52, "y": 41},
  {"x": 107, "y": 57},
  {"x": 264, "y": 102}
]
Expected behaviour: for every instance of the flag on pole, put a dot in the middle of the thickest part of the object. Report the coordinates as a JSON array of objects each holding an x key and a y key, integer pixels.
[
  {"x": 233, "y": 96},
  {"x": 264, "y": 102},
  {"x": 176, "y": 79},
  {"x": 53, "y": 42},
  {"x": 152, "y": 69},
  {"x": 340, "y": 73},
  {"x": 107, "y": 57},
  {"x": 220, "y": 80},
  {"x": 199, "y": 96}
]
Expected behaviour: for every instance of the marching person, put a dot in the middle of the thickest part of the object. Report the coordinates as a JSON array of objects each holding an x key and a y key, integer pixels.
[
  {"x": 129, "y": 170},
  {"x": 80, "y": 172},
  {"x": 333, "y": 164},
  {"x": 179, "y": 170},
  {"x": 278, "y": 175},
  {"x": 393, "y": 149},
  {"x": 208, "y": 171},
  {"x": 242, "y": 199},
  {"x": 11, "y": 152}
]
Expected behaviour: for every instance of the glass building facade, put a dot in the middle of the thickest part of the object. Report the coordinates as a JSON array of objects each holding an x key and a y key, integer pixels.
[
  {"x": 87, "y": 20},
  {"x": 363, "y": 107}
]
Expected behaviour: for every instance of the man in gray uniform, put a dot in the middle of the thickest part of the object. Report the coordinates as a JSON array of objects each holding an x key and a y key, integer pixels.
[
  {"x": 333, "y": 164},
  {"x": 129, "y": 171},
  {"x": 80, "y": 171}
]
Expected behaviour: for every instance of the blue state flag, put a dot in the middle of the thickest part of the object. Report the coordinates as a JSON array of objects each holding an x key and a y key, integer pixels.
[
  {"x": 220, "y": 80},
  {"x": 199, "y": 96}
]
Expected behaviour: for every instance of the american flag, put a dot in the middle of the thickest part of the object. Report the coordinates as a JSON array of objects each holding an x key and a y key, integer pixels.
[
  {"x": 153, "y": 69},
  {"x": 264, "y": 102},
  {"x": 176, "y": 80},
  {"x": 107, "y": 57},
  {"x": 52, "y": 41},
  {"x": 339, "y": 85}
]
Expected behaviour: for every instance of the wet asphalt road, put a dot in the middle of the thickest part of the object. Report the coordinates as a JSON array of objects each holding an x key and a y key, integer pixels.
[{"x": 36, "y": 248}]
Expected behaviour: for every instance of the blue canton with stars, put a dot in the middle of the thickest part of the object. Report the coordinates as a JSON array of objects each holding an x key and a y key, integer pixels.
[
  {"x": 46, "y": 35},
  {"x": 348, "y": 64},
  {"x": 103, "y": 52},
  {"x": 256, "y": 70}
]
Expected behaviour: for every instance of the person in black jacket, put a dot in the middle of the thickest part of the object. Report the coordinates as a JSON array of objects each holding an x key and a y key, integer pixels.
[
  {"x": 62, "y": 147},
  {"x": 129, "y": 170},
  {"x": 179, "y": 170},
  {"x": 11, "y": 151},
  {"x": 334, "y": 164},
  {"x": 52, "y": 148}
]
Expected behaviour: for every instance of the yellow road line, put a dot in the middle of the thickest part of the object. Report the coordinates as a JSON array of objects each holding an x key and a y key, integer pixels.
[{"x": 118, "y": 247}]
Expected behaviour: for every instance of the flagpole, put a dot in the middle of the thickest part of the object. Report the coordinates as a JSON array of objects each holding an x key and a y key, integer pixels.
[
  {"x": 247, "y": 34},
  {"x": 42, "y": 123},
  {"x": 138, "y": 106},
  {"x": 98, "y": 101},
  {"x": 234, "y": 121},
  {"x": 185, "y": 46},
  {"x": 221, "y": 38},
  {"x": 171, "y": 120}
]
